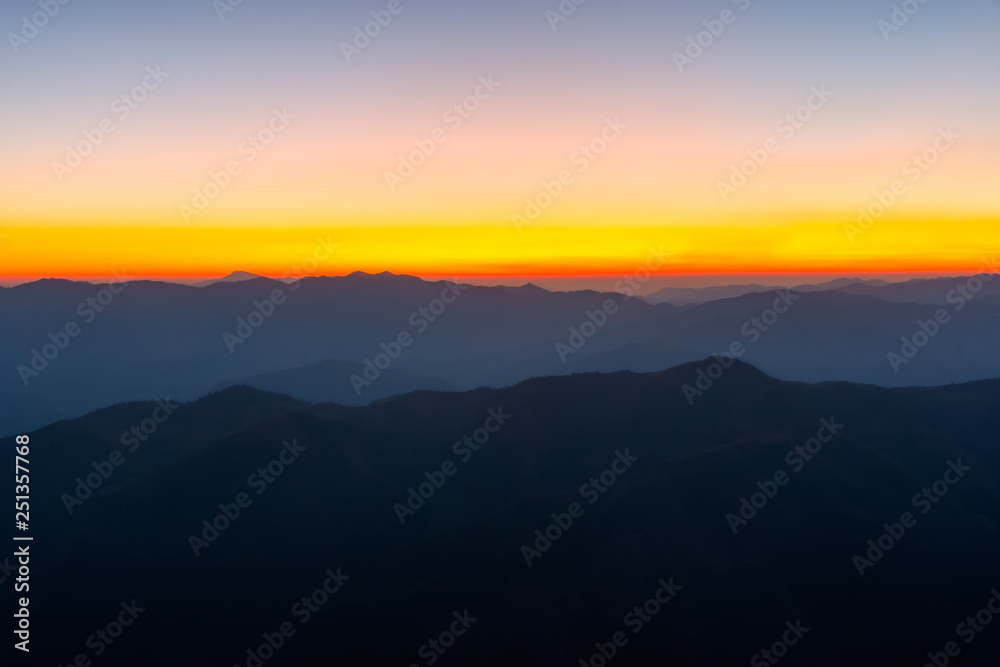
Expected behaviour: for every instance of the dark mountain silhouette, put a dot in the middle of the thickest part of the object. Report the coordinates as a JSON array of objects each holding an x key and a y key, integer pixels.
[
  {"x": 840, "y": 284},
  {"x": 173, "y": 432},
  {"x": 234, "y": 277},
  {"x": 682, "y": 296},
  {"x": 158, "y": 339},
  {"x": 664, "y": 518},
  {"x": 921, "y": 290},
  {"x": 314, "y": 383}
]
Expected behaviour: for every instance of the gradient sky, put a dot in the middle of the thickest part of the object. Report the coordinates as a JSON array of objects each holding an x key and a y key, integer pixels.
[{"x": 323, "y": 176}]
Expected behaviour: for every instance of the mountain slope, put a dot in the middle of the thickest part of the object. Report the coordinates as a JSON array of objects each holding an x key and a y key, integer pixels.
[
  {"x": 323, "y": 383},
  {"x": 664, "y": 516},
  {"x": 158, "y": 339}
]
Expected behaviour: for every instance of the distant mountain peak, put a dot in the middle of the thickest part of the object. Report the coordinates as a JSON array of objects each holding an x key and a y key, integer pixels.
[
  {"x": 241, "y": 275},
  {"x": 234, "y": 277},
  {"x": 526, "y": 288},
  {"x": 369, "y": 274}
]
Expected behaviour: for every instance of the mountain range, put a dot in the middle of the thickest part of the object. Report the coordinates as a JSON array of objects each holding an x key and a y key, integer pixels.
[
  {"x": 540, "y": 519},
  {"x": 337, "y": 339}
]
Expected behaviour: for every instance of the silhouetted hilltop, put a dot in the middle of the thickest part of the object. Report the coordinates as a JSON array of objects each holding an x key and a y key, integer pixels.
[{"x": 343, "y": 499}]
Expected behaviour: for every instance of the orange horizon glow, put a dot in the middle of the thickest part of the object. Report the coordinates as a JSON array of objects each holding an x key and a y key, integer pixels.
[
  {"x": 424, "y": 156},
  {"x": 493, "y": 252}
]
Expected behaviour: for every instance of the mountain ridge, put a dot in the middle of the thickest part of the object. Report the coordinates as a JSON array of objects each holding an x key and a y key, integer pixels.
[{"x": 462, "y": 548}]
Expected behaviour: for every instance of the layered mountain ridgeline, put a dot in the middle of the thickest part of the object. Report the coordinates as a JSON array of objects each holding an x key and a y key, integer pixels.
[
  {"x": 323, "y": 382},
  {"x": 72, "y": 347},
  {"x": 539, "y": 524},
  {"x": 920, "y": 290},
  {"x": 681, "y": 296}
]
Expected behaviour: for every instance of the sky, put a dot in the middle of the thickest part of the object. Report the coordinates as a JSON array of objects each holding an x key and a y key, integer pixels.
[{"x": 498, "y": 140}]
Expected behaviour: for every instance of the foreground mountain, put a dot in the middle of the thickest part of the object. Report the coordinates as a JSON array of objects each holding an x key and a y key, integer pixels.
[{"x": 551, "y": 510}]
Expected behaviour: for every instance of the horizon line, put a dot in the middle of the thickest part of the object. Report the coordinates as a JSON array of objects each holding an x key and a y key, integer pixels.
[{"x": 518, "y": 280}]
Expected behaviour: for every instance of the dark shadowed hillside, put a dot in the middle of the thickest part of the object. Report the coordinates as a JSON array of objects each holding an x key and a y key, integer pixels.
[{"x": 496, "y": 466}]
